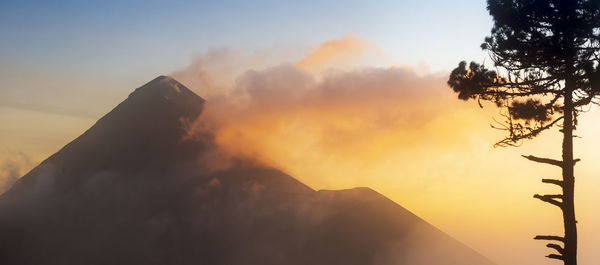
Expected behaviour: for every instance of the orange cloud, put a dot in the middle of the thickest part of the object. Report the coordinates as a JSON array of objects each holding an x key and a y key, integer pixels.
[
  {"x": 340, "y": 53},
  {"x": 343, "y": 123}
]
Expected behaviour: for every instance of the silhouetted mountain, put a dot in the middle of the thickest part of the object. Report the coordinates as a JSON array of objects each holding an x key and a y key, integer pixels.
[{"x": 137, "y": 189}]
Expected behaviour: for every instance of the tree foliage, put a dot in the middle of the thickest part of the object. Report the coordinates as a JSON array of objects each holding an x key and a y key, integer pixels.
[{"x": 540, "y": 49}]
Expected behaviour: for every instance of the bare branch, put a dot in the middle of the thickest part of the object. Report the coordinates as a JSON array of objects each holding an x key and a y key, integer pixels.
[
  {"x": 555, "y": 256},
  {"x": 557, "y": 247},
  {"x": 553, "y": 181},
  {"x": 550, "y": 199},
  {"x": 554, "y": 162},
  {"x": 520, "y": 133},
  {"x": 555, "y": 238}
]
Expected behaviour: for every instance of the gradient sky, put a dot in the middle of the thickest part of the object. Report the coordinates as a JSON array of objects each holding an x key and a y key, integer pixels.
[
  {"x": 110, "y": 38},
  {"x": 63, "y": 64},
  {"x": 107, "y": 47},
  {"x": 81, "y": 57}
]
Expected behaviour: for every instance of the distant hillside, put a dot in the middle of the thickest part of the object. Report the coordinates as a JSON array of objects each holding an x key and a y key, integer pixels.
[{"x": 134, "y": 190}]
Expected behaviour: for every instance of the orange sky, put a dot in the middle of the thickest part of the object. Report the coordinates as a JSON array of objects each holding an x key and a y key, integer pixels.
[{"x": 333, "y": 122}]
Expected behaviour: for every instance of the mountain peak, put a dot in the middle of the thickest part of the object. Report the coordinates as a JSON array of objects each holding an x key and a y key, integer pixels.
[
  {"x": 162, "y": 82},
  {"x": 145, "y": 128},
  {"x": 168, "y": 88}
]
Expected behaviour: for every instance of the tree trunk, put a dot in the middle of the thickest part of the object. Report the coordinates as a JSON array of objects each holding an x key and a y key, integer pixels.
[{"x": 568, "y": 209}]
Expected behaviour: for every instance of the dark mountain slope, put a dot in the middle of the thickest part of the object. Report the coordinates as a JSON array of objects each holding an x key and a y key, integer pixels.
[{"x": 133, "y": 189}]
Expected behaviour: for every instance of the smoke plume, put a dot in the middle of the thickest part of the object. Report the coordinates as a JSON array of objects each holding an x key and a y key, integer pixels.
[{"x": 326, "y": 113}]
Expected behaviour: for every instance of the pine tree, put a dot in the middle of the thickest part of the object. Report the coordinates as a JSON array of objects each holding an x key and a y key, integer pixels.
[{"x": 546, "y": 56}]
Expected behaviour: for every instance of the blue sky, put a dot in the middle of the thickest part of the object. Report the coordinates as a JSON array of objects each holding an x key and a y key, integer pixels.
[{"x": 109, "y": 37}]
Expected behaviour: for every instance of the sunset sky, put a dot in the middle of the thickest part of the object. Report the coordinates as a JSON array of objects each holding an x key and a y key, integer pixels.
[{"x": 337, "y": 94}]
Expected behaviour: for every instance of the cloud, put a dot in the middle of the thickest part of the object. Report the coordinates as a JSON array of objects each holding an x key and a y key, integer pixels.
[
  {"x": 338, "y": 53},
  {"x": 12, "y": 168},
  {"x": 343, "y": 123}
]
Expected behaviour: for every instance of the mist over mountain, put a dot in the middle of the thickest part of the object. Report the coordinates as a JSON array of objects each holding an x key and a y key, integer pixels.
[{"x": 140, "y": 187}]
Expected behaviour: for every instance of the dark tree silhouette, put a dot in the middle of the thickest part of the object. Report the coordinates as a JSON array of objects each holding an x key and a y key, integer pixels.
[{"x": 546, "y": 54}]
